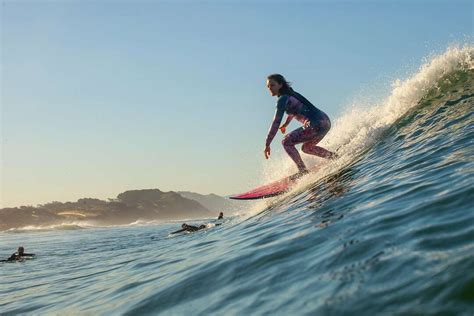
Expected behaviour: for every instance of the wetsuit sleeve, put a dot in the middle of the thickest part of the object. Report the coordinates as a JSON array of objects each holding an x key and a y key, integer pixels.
[
  {"x": 280, "y": 110},
  {"x": 288, "y": 119},
  {"x": 178, "y": 231}
]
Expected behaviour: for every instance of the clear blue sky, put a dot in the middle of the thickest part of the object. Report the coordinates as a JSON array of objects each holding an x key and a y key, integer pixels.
[{"x": 99, "y": 97}]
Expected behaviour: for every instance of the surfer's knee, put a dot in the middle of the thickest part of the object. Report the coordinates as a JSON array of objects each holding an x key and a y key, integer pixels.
[
  {"x": 306, "y": 148},
  {"x": 287, "y": 141}
]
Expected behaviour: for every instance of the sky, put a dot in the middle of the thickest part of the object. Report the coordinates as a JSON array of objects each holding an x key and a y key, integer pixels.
[{"x": 100, "y": 97}]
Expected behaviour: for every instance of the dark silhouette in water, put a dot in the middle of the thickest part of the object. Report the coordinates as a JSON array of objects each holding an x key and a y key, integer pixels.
[
  {"x": 20, "y": 255},
  {"x": 189, "y": 228}
]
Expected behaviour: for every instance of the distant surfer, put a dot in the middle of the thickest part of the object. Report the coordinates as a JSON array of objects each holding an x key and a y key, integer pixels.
[
  {"x": 221, "y": 216},
  {"x": 316, "y": 123},
  {"x": 20, "y": 254},
  {"x": 189, "y": 228}
]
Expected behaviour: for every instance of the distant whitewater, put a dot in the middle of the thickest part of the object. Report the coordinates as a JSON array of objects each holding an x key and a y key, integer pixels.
[{"x": 387, "y": 229}]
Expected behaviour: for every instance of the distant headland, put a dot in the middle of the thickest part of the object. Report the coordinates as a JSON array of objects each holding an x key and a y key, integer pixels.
[{"x": 128, "y": 207}]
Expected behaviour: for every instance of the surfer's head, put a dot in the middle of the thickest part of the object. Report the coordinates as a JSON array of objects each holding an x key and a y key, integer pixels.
[
  {"x": 21, "y": 251},
  {"x": 184, "y": 226},
  {"x": 277, "y": 85}
]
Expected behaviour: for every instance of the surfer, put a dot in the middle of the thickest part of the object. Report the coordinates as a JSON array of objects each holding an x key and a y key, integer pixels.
[
  {"x": 221, "y": 216},
  {"x": 20, "y": 254},
  {"x": 316, "y": 123},
  {"x": 189, "y": 228}
]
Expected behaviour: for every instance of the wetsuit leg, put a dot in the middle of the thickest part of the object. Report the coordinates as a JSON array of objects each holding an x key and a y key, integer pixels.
[
  {"x": 310, "y": 136},
  {"x": 298, "y": 136},
  {"x": 312, "y": 149},
  {"x": 310, "y": 146}
]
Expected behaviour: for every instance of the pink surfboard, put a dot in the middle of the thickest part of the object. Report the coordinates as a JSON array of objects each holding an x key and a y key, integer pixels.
[{"x": 271, "y": 189}]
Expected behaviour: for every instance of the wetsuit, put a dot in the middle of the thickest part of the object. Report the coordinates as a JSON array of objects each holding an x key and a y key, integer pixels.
[
  {"x": 16, "y": 256},
  {"x": 190, "y": 228},
  {"x": 316, "y": 125}
]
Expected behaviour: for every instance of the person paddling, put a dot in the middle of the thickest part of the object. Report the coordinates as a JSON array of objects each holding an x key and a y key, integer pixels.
[
  {"x": 189, "y": 228},
  {"x": 315, "y": 122},
  {"x": 20, "y": 255}
]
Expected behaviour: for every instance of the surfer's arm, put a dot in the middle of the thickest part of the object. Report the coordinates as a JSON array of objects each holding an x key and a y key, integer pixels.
[
  {"x": 288, "y": 120},
  {"x": 178, "y": 231},
  {"x": 280, "y": 110}
]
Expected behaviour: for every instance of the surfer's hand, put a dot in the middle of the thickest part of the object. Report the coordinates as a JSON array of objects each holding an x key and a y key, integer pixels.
[
  {"x": 283, "y": 129},
  {"x": 267, "y": 152}
]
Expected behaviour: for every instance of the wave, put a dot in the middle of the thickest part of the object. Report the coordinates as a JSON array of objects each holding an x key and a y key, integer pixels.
[
  {"x": 360, "y": 128},
  {"x": 363, "y": 124}
]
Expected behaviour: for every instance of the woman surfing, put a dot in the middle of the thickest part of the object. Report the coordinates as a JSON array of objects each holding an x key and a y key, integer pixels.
[{"x": 316, "y": 123}]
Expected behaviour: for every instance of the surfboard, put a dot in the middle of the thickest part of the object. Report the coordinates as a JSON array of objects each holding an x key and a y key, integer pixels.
[{"x": 271, "y": 189}]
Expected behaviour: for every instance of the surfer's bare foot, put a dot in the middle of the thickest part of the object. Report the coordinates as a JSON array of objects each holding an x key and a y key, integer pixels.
[
  {"x": 333, "y": 156},
  {"x": 303, "y": 172}
]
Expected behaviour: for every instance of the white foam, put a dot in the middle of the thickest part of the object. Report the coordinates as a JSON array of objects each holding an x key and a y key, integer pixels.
[{"x": 61, "y": 226}]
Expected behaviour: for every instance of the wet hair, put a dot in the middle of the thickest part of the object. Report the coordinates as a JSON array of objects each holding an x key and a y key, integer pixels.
[
  {"x": 21, "y": 250},
  {"x": 286, "y": 85},
  {"x": 184, "y": 226}
]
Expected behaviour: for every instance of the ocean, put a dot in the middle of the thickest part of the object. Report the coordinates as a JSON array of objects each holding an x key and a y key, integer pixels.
[{"x": 387, "y": 229}]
